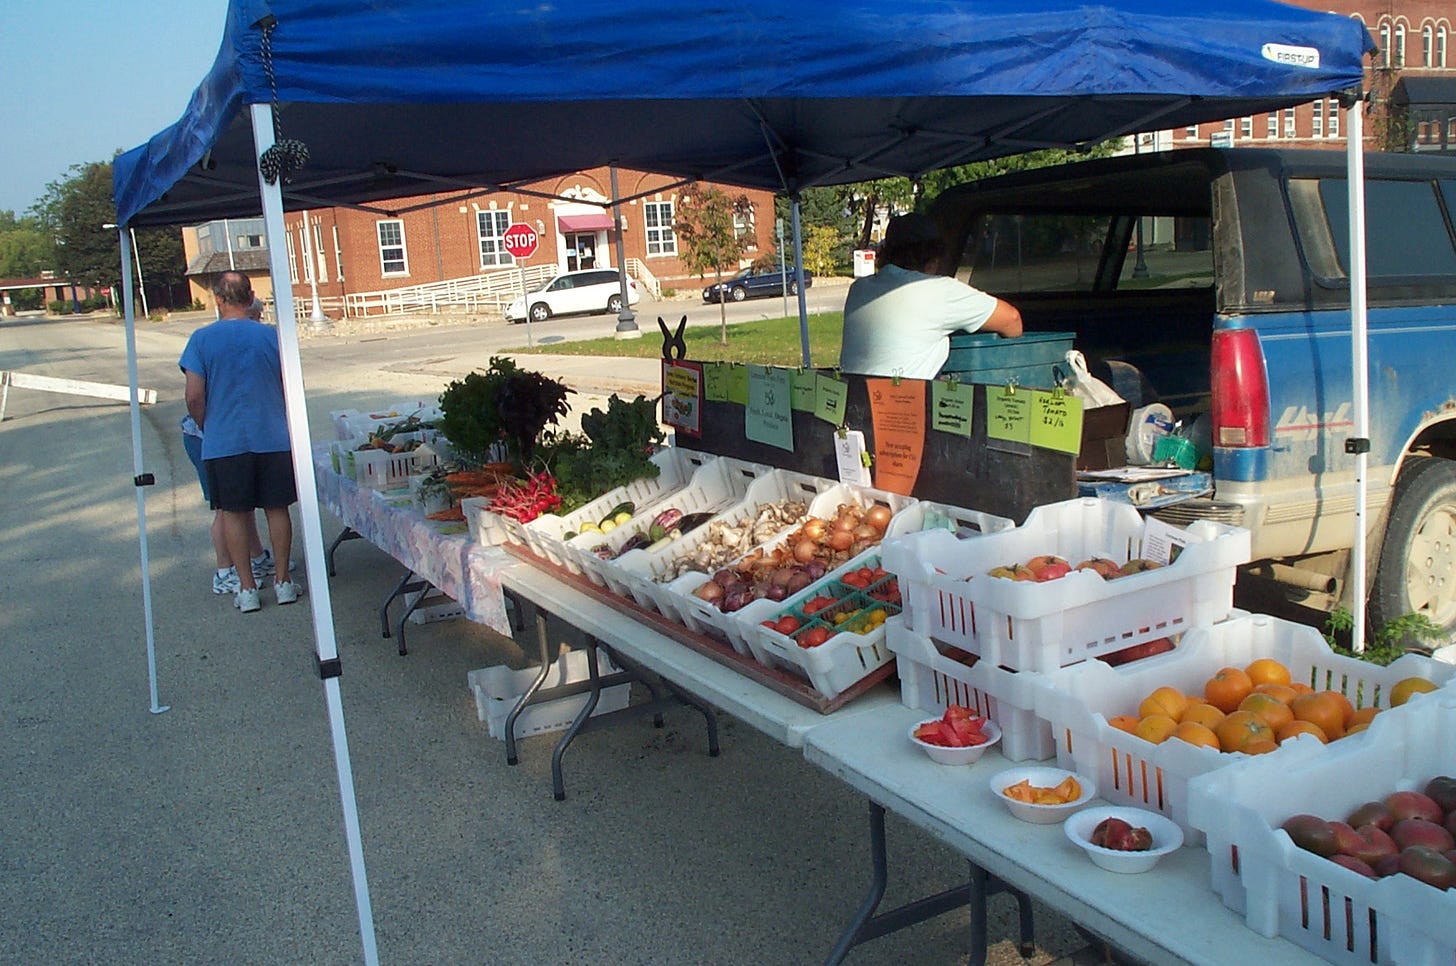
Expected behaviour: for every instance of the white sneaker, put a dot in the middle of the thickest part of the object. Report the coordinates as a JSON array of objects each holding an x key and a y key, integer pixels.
[
  {"x": 226, "y": 581},
  {"x": 287, "y": 591},
  {"x": 247, "y": 601},
  {"x": 265, "y": 566}
]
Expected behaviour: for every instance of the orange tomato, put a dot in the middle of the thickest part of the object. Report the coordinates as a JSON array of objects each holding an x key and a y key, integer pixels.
[
  {"x": 1347, "y": 710},
  {"x": 1202, "y": 713},
  {"x": 1241, "y": 729},
  {"x": 1271, "y": 709},
  {"x": 1156, "y": 728},
  {"x": 1165, "y": 700},
  {"x": 1196, "y": 734},
  {"x": 1362, "y": 717},
  {"x": 1301, "y": 688},
  {"x": 1266, "y": 670},
  {"x": 1355, "y": 729},
  {"x": 1260, "y": 746},
  {"x": 1124, "y": 722},
  {"x": 1227, "y": 688},
  {"x": 1281, "y": 691},
  {"x": 1321, "y": 709},
  {"x": 1296, "y": 727},
  {"x": 1407, "y": 688}
]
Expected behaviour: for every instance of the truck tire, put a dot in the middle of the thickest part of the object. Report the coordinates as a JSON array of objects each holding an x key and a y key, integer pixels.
[{"x": 1417, "y": 569}]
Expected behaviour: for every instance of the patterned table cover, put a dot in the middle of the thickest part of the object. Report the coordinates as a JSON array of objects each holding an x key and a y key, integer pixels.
[{"x": 459, "y": 567}]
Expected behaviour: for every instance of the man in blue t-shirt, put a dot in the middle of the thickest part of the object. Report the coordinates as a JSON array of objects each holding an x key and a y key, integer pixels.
[{"x": 235, "y": 394}]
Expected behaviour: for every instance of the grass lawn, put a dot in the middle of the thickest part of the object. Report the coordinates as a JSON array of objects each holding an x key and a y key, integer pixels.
[{"x": 768, "y": 342}]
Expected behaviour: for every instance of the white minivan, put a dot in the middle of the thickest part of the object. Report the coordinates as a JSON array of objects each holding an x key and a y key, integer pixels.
[{"x": 589, "y": 291}]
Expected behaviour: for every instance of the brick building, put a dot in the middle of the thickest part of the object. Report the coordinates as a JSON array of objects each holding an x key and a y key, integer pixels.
[
  {"x": 453, "y": 236},
  {"x": 1412, "y": 81}
]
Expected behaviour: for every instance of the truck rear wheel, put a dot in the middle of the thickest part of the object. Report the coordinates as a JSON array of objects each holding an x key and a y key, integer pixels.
[{"x": 1417, "y": 569}]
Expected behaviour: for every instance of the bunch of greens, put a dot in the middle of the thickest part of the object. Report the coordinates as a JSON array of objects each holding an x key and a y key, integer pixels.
[
  {"x": 505, "y": 404},
  {"x": 612, "y": 450}
]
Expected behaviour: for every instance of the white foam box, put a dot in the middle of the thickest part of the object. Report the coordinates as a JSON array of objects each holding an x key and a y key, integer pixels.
[
  {"x": 498, "y": 688},
  {"x": 1029, "y": 626},
  {"x": 932, "y": 679},
  {"x": 715, "y": 485},
  {"x": 545, "y": 535},
  {"x": 436, "y": 606},
  {"x": 644, "y": 574},
  {"x": 1131, "y": 771},
  {"x": 1283, "y": 890},
  {"x": 705, "y": 618}
]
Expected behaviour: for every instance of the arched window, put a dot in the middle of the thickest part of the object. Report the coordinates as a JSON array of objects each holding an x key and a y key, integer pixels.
[
  {"x": 1399, "y": 45},
  {"x": 1385, "y": 45},
  {"x": 1428, "y": 39},
  {"x": 1440, "y": 46}
]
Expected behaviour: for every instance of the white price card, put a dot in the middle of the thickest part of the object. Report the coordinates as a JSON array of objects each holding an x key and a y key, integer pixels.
[{"x": 852, "y": 457}]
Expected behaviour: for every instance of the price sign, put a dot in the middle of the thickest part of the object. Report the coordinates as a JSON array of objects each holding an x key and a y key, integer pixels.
[{"x": 521, "y": 240}]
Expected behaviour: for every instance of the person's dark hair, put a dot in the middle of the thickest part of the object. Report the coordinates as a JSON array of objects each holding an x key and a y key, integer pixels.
[
  {"x": 911, "y": 242},
  {"x": 233, "y": 288}
]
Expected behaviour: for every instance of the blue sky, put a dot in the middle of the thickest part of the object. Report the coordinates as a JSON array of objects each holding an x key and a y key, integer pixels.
[{"x": 83, "y": 78}]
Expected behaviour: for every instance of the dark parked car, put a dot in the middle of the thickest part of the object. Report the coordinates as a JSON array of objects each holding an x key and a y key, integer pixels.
[{"x": 754, "y": 282}]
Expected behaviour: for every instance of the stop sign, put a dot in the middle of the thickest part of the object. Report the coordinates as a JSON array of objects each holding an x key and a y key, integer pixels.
[{"x": 521, "y": 240}]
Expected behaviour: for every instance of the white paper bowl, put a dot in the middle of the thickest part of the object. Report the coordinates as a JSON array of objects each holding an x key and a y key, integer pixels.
[
  {"x": 1167, "y": 836},
  {"x": 1041, "y": 776},
  {"x": 956, "y": 756}
]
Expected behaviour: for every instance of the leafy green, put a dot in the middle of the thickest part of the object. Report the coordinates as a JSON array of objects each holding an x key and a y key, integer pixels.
[
  {"x": 613, "y": 450},
  {"x": 503, "y": 404}
]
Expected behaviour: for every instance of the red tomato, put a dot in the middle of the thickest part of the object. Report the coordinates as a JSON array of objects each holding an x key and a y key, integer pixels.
[{"x": 787, "y": 625}]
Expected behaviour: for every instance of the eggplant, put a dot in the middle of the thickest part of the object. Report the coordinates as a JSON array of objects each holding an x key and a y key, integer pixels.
[
  {"x": 636, "y": 541},
  {"x": 668, "y": 519},
  {"x": 692, "y": 521}
]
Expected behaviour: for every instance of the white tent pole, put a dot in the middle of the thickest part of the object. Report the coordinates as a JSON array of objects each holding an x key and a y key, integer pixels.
[
  {"x": 140, "y": 480},
  {"x": 326, "y": 648},
  {"x": 799, "y": 278},
  {"x": 1359, "y": 445}
]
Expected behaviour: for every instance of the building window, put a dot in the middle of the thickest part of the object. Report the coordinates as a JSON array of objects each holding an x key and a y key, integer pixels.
[
  {"x": 392, "y": 257},
  {"x": 292, "y": 260},
  {"x": 1289, "y": 122},
  {"x": 491, "y": 227},
  {"x": 250, "y": 241},
  {"x": 661, "y": 239},
  {"x": 1317, "y": 123},
  {"x": 1399, "y": 45},
  {"x": 1440, "y": 46},
  {"x": 1332, "y": 129},
  {"x": 1191, "y": 131},
  {"x": 1246, "y": 127},
  {"x": 1428, "y": 43},
  {"x": 318, "y": 252},
  {"x": 1385, "y": 45},
  {"x": 338, "y": 252},
  {"x": 1273, "y": 129},
  {"x": 743, "y": 227}
]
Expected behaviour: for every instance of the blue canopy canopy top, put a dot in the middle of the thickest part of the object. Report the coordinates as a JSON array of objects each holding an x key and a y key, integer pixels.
[{"x": 406, "y": 97}]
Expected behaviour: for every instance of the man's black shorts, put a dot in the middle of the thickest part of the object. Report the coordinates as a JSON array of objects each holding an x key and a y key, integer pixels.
[{"x": 249, "y": 481}]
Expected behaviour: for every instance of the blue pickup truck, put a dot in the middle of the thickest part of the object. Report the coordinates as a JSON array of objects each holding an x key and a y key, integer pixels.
[
  {"x": 757, "y": 282},
  {"x": 1216, "y": 282}
]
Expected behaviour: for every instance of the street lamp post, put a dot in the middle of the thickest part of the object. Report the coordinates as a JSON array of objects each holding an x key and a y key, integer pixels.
[
  {"x": 626, "y": 318},
  {"x": 316, "y": 318}
]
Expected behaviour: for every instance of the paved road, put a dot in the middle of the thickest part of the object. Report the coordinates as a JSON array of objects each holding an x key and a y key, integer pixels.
[{"x": 211, "y": 833}]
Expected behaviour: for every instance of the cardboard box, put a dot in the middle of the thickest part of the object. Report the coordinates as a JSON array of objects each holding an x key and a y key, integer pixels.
[{"x": 1104, "y": 437}]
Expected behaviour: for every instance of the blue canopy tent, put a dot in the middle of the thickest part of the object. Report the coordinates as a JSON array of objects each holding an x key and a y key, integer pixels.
[{"x": 399, "y": 97}]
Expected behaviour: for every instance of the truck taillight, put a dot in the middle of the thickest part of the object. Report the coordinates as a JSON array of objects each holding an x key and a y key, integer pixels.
[{"x": 1240, "y": 383}]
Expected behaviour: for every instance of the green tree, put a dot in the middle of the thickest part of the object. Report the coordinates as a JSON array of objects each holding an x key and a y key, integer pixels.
[
  {"x": 704, "y": 224},
  {"x": 821, "y": 243},
  {"x": 25, "y": 252},
  {"x": 826, "y": 208},
  {"x": 74, "y": 209}
]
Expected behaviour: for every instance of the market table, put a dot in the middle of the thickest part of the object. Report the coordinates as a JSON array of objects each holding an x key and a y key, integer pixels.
[{"x": 1167, "y": 915}]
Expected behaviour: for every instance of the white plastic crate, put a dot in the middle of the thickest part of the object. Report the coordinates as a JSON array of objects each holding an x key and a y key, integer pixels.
[
  {"x": 932, "y": 681},
  {"x": 1041, "y": 626},
  {"x": 643, "y": 574},
  {"x": 736, "y": 628},
  {"x": 435, "y": 607},
  {"x": 1283, "y": 890},
  {"x": 485, "y": 527},
  {"x": 1131, "y": 771},
  {"x": 546, "y": 535},
  {"x": 341, "y": 456},
  {"x": 715, "y": 486},
  {"x": 498, "y": 688},
  {"x": 383, "y": 470},
  {"x": 356, "y": 422}
]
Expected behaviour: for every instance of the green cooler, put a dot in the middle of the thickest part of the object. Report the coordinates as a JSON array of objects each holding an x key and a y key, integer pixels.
[{"x": 1027, "y": 359}]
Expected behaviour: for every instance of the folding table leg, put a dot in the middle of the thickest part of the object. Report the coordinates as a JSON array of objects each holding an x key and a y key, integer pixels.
[
  {"x": 542, "y": 641},
  {"x": 348, "y": 533}
]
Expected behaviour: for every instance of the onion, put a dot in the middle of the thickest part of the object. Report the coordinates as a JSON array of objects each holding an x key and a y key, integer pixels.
[
  {"x": 710, "y": 591},
  {"x": 865, "y": 532},
  {"x": 842, "y": 539},
  {"x": 845, "y": 522},
  {"x": 804, "y": 550},
  {"x": 780, "y": 577},
  {"x": 799, "y": 581},
  {"x": 815, "y": 569},
  {"x": 879, "y": 517},
  {"x": 776, "y": 592}
]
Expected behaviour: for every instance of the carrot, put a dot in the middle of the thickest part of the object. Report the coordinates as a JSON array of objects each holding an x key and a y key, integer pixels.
[{"x": 453, "y": 513}]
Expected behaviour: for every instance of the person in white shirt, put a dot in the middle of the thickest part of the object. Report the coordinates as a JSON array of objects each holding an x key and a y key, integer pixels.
[{"x": 898, "y": 321}]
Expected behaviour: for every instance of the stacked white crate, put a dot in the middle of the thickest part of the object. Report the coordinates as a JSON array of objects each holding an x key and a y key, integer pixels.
[
  {"x": 1132, "y": 771},
  {"x": 1335, "y": 913},
  {"x": 498, "y": 688}
]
